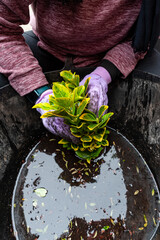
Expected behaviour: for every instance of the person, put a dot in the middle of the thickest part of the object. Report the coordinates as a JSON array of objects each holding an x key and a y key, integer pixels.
[{"x": 112, "y": 35}]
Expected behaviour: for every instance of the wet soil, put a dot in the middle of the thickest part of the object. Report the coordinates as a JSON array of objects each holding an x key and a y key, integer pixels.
[{"x": 58, "y": 196}]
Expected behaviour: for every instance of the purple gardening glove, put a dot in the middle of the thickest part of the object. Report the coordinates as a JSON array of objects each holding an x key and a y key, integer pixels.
[
  {"x": 97, "y": 88},
  {"x": 55, "y": 125}
]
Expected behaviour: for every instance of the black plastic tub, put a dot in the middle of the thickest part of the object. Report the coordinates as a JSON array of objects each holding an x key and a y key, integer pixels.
[{"x": 135, "y": 103}]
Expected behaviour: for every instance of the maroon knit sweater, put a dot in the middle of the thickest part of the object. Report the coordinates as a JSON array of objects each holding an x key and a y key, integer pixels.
[{"x": 91, "y": 31}]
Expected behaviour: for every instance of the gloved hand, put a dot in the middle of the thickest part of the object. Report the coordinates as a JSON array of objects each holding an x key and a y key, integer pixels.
[
  {"x": 55, "y": 125},
  {"x": 97, "y": 88}
]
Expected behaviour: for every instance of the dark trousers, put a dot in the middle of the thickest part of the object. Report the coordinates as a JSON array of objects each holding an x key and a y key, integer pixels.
[{"x": 47, "y": 61}]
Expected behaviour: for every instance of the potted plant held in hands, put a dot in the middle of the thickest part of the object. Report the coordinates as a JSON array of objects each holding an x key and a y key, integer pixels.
[{"x": 69, "y": 101}]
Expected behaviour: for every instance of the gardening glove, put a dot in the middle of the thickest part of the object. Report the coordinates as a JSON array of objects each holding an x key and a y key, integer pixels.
[
  {"x": 55, "y": 125},
  {"x": 97, "y": 88}
]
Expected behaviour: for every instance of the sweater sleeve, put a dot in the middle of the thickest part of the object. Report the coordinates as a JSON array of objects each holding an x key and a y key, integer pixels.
[
  {"x": 124, "y": 58},
  {"x": 16, "y": 60}
]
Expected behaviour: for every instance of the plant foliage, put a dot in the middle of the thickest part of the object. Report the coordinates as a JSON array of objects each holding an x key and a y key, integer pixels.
[{"x": 69, "y": 101}]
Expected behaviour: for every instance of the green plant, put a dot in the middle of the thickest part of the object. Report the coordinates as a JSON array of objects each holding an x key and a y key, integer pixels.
[{"x": 69, "y": 101}]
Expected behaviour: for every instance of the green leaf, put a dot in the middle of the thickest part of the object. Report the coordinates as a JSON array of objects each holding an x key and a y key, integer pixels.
[
  {"x": 105, "y": 143},
  {"x": 48, "y": 114},
  {"x": 86, "y": 138},
  {"x": 107, "y": 115},
  {"x": 45, "y": 106},
  {"x": 60, "y": 91},
  {"x": 107, "y": 132},
  {"x": 83, "y": 154},
  {"x": 80, "y": 126},
  {"x": 52, "y": 102},
  {"x": 64, "y": 102},
  {"x": 98, "y": 145},
  {"x": 77, "y": 135},
  {"x": 105, "y": 118},
  {"x": 41, "y": 192},
  {"x": 77, "y": 92},
  {"x": 75, "y": 132},
  {"x": 82, "y": 149},
  {"x": 89, "y": 155},
  {"x": 82, "y": 106},
  {"x": 63, "y": 141},
  {"x": 74, "y": 146},
  {"x": 67, "y": 145},
  {"x": 51, "y": 99},
  {"x": 98, "y": 137},
  {"x": 88, "y": 117},
  {"x": 101, "y": 111},
  {"x": 86, "y": 83},
  {"x": 76, "y": 79},
  {"x": 92, "y": 126},
  {"x": 57, "y": 113},
  {"x": 88, "y": 111},
  {"x": 86, "y": 144},
  {"x": 73, "y": 109},
  {"x": 67, "y": 75},
  {"x": 70, "y": 85}
]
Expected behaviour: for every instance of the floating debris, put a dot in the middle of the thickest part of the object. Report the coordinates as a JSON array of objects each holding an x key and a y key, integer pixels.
[
  {"x": 87, "y": 173},
  {"x": 137, "y": 169},
  {"x": 92, "y": 204},
  {"x": 154, "y": 221},
  {"x": 106, "y": 228},
  {"x": 70, "y": 224},
  {"x": 146, "y": 222},
  {"x": 24, "y": 199},
  {"x": 41, "y": 192},
  {"x": 141, "y": 228},
  {"x": 112, "y": 222},
  {"x": 111, "y": 201},
  {"x": 69, "y": 189},
  {"x": 42, "y": 230},
  {"x": 136, "y": 192},
  {"x": 95, "y": 235},
  {"x": 28, "y": 229},
  {"x": 35, "y": 203},
  {"x": 88, "y": 161}
]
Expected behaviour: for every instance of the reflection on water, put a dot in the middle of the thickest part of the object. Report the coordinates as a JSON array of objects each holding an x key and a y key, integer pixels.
[{"x": 62, "y": 197}]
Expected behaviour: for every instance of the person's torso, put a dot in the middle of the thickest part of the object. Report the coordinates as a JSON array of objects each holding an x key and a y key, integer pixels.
[{"x": 90, "y": 28}]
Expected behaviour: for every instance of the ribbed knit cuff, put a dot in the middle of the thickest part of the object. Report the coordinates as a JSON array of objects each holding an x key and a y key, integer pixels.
[
  {"x": 111, "y": 68},
  {"x": 44, "y": 94},
  {"x": 101, "y": 71}
]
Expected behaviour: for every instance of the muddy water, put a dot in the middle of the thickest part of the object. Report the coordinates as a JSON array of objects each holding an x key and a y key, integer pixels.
[{"x": 58, "y": 196}]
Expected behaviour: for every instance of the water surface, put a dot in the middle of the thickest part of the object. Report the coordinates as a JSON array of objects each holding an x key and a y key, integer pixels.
[{"x": 58, "y": 196}]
